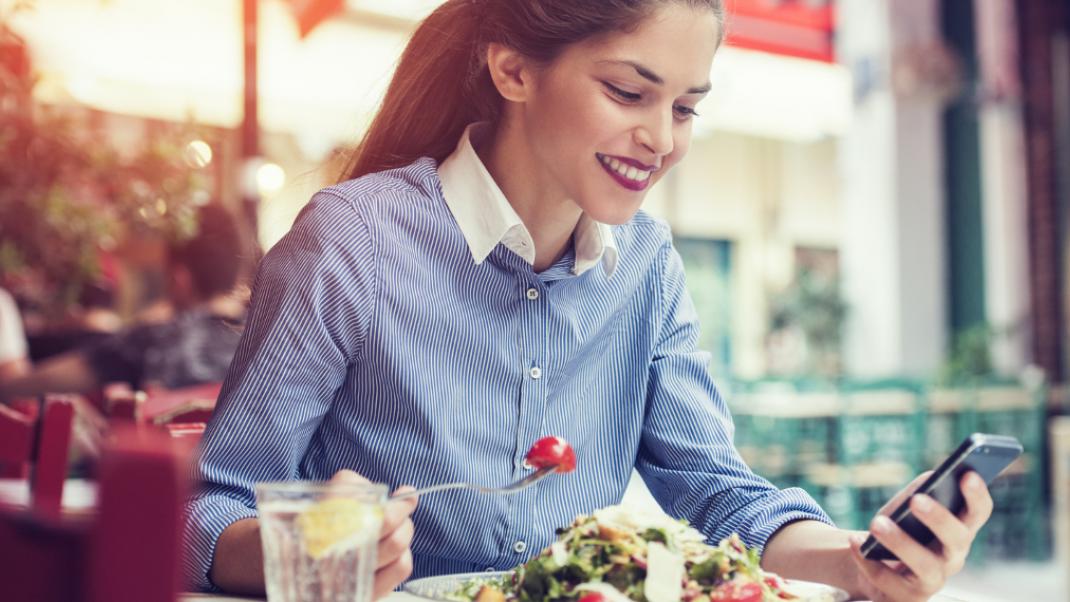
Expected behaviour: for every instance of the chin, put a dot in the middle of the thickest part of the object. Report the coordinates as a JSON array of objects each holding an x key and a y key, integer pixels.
[{"x": 613, "y": 216}]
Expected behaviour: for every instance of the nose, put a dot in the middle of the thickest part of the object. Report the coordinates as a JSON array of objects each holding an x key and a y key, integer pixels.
[{"x": 655, "y": 134}]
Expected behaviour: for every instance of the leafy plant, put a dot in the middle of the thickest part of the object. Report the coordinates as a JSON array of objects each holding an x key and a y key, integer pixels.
[
  {"x": 67, "y": 193},
  {"x": 813, "y": 306},
  {"x": 970, "y": 360}
]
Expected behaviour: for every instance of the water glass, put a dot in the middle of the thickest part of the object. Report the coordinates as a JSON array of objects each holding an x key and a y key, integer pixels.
[{"x": 320, "y": 539}]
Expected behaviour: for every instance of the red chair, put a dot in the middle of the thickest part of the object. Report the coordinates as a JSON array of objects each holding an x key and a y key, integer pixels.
[
  {"x": 46, "y": 451},
  {"x": 128, "y": 551}
]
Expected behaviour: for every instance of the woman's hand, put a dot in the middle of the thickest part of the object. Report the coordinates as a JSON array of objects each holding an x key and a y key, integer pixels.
[
  {"x": 394, "y": 558},
  {"x": 922, "y": 571}
]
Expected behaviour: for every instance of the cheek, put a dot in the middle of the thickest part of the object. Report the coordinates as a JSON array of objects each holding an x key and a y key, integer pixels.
[{"x": 681, "y": 144}]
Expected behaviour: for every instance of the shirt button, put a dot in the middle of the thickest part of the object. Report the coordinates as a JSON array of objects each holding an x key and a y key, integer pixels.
[
  {"x": 535, "y": 372},
  {"x": 490, "y": 569},
  {"x": 533, "y": 294},
  {"x": 519, "y": 547}
]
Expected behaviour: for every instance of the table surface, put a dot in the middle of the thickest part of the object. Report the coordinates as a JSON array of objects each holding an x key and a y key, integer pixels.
[
  {"x": 402, "y": 597},
  {"x": 79, "y": 495}
]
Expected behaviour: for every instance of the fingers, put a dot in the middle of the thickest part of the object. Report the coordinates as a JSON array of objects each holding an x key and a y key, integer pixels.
[
  {"x": 397, "y": 531},
  {"x": 396, "y": 512},
  {"x": 926, "y": 565},
  {"x": 954, "y": 536},
  {"x": 881, "y": 582},
  {"x": 390, "y": 576},
  {"x": 978, "y": 502},
  {"x": 393, "y": 554},
  {"x": 395, "y": 544},
  {"x": 911, "y": 487}
]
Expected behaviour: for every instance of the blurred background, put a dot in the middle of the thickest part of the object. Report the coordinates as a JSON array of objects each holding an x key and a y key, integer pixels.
[{"x": 873, "y": 215}]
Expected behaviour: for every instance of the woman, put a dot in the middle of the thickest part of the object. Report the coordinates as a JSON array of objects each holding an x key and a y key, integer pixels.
[{"x": 471, "y": 288}]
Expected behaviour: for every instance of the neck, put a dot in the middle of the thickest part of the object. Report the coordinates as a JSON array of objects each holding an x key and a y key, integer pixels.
[{"x": 547, "y": 213}]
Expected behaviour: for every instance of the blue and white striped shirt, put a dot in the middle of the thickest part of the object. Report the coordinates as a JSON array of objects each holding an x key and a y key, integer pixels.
[{"x": 375, "y": 342}]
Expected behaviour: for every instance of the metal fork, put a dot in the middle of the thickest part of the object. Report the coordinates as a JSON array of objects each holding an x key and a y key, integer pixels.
[{"x": 524, "y": 483}]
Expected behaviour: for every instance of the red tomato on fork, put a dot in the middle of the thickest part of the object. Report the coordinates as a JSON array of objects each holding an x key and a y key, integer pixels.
[
  {"x": 734, "y": 591},
  {"x": 552, "y": 451}
]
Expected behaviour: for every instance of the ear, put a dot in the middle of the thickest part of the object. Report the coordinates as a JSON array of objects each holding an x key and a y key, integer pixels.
[{"x": 509, "y": 71}]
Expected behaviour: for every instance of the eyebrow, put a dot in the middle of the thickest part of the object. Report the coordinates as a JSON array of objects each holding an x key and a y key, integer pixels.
[{"x": 654, "y": 77}]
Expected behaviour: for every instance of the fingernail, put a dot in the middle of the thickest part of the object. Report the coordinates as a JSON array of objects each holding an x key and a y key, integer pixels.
[
  {"x": 882, "y": 524},
  {"x": 856, "y": 539},
  {"x": 975, "y": 481},
  {"x": 923, "y": 503}
]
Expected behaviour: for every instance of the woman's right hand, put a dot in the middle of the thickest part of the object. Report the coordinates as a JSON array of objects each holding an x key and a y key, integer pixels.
[{"x": 394, "y": 558}]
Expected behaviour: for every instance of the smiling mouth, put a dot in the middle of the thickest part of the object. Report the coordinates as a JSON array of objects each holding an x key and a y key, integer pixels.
[{"x": 628, "y": 176}]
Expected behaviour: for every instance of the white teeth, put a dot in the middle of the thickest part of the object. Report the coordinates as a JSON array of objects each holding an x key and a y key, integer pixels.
[{"x": 627, "y": 171}]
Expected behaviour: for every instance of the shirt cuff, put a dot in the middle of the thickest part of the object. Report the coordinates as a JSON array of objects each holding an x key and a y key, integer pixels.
[
  {"x": 782, "y": 507},
  {"x": 206, "y": 519}
]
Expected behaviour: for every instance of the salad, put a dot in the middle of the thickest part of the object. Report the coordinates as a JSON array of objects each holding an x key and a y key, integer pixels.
[{"x": 614, "y": 556}]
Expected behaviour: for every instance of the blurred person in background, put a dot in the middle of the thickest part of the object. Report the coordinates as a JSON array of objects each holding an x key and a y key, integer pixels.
[
  {"x": 93, "y": 318},
  {"x": 14, "y": 360},
  {"x": 194, "y": 347}
]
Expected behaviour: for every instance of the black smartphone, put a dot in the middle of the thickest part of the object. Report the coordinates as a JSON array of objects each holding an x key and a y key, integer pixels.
[{"x": 987, "y": 455}]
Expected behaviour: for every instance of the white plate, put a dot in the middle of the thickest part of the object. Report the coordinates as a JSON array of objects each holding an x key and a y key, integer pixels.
[{"x": 437, "y": 588}]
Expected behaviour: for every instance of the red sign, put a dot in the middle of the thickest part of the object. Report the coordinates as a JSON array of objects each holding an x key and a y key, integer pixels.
[
  {"x": 799, "y": 28},
  {"x": 311, "y": 13}
]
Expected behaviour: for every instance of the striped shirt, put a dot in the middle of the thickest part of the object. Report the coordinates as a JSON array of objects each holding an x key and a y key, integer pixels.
[{"x": 378, "y": 341}]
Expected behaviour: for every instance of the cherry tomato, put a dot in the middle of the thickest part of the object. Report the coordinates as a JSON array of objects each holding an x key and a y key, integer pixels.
[
  {"x": 592, "y": 597},
  {"x": 552, "y": 451},
  {"x": 737, "y": 592}
]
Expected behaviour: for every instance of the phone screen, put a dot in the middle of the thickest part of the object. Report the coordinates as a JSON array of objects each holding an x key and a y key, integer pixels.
[{"x": 987, "y": 455}]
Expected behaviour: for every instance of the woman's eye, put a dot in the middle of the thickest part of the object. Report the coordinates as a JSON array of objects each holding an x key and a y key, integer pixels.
[
  {"x": 622, "y": 94},
  {"x": 685, "y": 112}
]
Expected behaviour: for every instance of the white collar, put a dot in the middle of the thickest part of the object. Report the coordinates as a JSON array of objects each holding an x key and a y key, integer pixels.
[{"x": 486, "y": 218}]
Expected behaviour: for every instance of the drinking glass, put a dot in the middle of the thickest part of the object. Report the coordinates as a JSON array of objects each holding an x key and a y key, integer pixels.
[{"x": 320, "y": 539}]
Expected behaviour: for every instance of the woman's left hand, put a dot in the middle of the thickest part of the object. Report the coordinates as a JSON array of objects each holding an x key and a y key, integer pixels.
[{"x": 922, "y": 570}]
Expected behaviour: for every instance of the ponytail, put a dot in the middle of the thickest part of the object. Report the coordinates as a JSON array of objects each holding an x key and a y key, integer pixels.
[{"x": 440, "y": 86}]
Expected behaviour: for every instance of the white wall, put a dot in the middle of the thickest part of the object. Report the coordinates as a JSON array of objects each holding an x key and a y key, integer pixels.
[
  {"x": 766, "y": 196},
  {"x": 892, "y": 253}
]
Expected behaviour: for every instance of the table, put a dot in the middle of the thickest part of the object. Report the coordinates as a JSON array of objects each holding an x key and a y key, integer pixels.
[
  {"x": 79, "y": 495},
  {"x": 402, "y": 597},
  {"x": 394, "y": 597}
]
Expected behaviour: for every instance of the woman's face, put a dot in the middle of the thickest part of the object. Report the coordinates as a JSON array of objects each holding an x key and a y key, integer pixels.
[{"x": 610, "y": 116}]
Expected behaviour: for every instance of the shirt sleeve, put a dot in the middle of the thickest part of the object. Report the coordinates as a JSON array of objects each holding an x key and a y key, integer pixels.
[
  {"x": 310, "y": 312},
  {"x": 12, "y": 336},
  {"x": 686, "y": 455}
]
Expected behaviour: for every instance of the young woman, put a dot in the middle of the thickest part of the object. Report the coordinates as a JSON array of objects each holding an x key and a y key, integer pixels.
[{"x": 484, "y": 277}]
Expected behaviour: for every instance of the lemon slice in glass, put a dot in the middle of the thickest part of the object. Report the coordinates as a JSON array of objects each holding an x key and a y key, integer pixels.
[{"x": 336, "y": 524}]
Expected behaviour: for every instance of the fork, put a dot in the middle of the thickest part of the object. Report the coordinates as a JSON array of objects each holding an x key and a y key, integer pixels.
[{"x": 524, "y": 483}]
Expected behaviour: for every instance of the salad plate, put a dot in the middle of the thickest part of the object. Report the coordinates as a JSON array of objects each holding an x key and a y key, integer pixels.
[
  {"x": 450, "y": 588},
  {"x": 615, "y": 555}
]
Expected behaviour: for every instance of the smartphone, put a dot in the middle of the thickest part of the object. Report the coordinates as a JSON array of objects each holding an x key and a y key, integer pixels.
[{"x": 987, "y": 455}]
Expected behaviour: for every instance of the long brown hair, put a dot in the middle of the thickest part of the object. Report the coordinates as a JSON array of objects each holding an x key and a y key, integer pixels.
[{"x": 442, "y": 83}]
